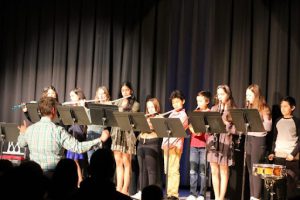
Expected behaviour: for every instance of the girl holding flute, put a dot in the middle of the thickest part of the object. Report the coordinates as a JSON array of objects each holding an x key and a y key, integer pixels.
[
  {"x": 78, "y": 131},
  {"x": 149, "y": 151},
  {"x": 94, "y": 131},
  {"x": 123, "y": 142}
]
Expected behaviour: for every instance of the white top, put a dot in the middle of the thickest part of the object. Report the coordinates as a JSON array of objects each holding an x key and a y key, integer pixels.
[{"x": 287, "y": 136}]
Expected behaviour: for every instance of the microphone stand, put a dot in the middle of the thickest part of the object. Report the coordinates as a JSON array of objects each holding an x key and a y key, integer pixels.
[
  {"x": 216, "y": 136},
  {"x": 245, "y": 154},
  {"x": 2, "y": 144}
]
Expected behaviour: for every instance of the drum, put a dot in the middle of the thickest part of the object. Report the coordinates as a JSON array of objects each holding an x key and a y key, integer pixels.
[{"x": 269, "y": 171}]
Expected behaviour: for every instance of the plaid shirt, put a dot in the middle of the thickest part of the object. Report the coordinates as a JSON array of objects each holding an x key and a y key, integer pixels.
[{"x": 47, "y": 141}]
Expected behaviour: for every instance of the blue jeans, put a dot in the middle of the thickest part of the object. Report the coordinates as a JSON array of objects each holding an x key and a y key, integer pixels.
[{"x": 197, "y": 169}]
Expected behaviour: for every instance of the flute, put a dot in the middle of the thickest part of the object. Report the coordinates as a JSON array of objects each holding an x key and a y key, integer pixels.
[
  {"x": 73, "y": 102},
  {"x": 19, "y": 106},
  {"x": 166, "y": 113},
  {"x": 162, "y": 114},
  {"x": 120, "y": 99},
  {"x": 15, "y": 107},
  {"x": 149, "y": 114}
]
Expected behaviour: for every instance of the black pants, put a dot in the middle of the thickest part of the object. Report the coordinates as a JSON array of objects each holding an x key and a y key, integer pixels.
[
  {"x": 149, "y": 155},
  {"x": 287, "y": 185},
  {"x": 255, "y": 152}
]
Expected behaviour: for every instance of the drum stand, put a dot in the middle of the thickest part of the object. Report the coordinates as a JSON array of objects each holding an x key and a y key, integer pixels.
[
  {"x": 269, "y": 184},
  {"x": 270, "y": 180}
]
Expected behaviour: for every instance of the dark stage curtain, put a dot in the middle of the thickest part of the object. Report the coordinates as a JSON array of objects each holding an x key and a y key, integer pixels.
[{"x": 158, "y": 45}]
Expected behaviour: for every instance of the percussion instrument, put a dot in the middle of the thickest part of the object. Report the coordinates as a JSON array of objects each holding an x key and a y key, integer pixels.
[{"x": 270, "y": 171}]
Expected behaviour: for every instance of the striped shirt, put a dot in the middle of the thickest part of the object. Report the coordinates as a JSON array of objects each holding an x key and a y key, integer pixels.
[
  {"x": 47, "y": 141},
  {"x": 174, "y": 141}
]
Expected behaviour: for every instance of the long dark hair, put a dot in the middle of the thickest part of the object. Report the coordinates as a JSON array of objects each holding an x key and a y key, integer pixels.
[
  {"x": 131, "y": 99},
  {"x": 230, "y": 103},
  {"x": 79, "y": 92},
  {"x": 259, "y": 100}
]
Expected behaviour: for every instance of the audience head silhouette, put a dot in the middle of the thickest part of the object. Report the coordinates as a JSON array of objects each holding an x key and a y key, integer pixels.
[
  {"x": 5, "y": 166},
  {"x": 28, "y": 179},
  {"x": 102, "y": 164},
  {"x": 102, "y": 169},
  {"x": 152, "y": 192},
  {"x": 64, "y": 180}
]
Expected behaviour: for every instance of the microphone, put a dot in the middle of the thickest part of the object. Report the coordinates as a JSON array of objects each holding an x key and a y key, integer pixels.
[
  {"x": 247, "y": 104},
  {"x": 221, "y": 107}
]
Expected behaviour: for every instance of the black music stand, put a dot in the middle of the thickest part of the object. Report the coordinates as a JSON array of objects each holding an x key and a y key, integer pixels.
[
  {"x": 207, "y": 122},
  {"x": 102, "y": 114},
  {"x": 246, "y": 120},
  {"x": 65, "y": 115},
  {"x": 33, "y": 112},
  {"x": 135, "y": 121},
  {"x": 9, "y": 143},
  {"x": 140, "y": 122},
  {"x": 80, "y": 115},
  {"x": 168, "y": 127},
  {"x": 123, "y": 121},
  {"x": 71, "y": 115}
]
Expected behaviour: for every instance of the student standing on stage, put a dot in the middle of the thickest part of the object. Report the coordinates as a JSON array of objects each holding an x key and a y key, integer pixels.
[
  {"x": 78, "y": 131},
  {"x": 123, "y": 142},
  {"x": 49, "y": 91},
  {"x": 256, "y": 141},
  {"x": 176, "y": 146},
  {"x": 198, "y": 152},
  {"x": 286, "y": 147},
  {"x": 220, "y": 152},
  {"x": 94, "y": 131},
  {"x": 149, "y": 151}
]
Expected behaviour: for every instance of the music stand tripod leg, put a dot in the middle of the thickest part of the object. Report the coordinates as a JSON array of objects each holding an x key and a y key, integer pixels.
[
  {"x": 205, "y": 172},
  {"x": 167, "y": 170}
]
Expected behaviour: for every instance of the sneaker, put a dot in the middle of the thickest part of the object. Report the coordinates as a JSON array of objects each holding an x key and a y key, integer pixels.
[
  {"x": 200, "y": 198},
  {"x": 253, "y": 198},
  {"x": 137, "y": 196},
  {"x": 191, "y": 197}
]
